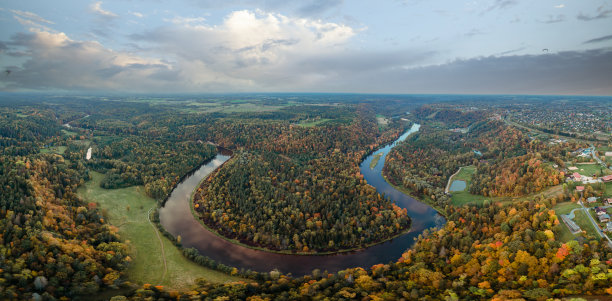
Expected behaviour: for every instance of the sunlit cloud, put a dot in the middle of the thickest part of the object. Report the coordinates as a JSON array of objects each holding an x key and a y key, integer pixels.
[{"x": 96, "y": 7}]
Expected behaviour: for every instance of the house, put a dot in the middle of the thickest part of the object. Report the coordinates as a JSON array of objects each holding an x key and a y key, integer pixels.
[
  {"x": 604, "y": 218},
  {"x": 600, "y": 210},
  {"x": 576, "y": 176},
  {"x": 572, "y": 168},
  {"x": 607, "y": 178},
  {"x": 608, "y": 201},
  {"x": 608, "y": 154},
  {"x": 580, "y": 188},
  {"x": 609, "y": 227},
  {"x": 591, "y": 199}
]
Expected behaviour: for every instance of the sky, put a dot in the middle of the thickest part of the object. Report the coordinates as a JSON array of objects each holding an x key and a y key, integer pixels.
[{"x": 348, "y": 46}]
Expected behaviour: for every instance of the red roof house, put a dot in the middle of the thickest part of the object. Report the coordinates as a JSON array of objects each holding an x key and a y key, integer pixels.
[
  {"x": 579, "y": 188},
  {"x": 576, "y": 176},
  {"x": 607, "y": 178}
]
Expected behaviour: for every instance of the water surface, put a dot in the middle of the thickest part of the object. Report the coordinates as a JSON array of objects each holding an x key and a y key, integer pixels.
[{"x": 177, "y": 219}]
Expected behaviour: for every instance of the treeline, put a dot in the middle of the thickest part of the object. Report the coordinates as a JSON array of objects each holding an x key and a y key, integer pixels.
[
  {"x": 452, "y": 117},
  {"x": 515, "y": 176},
  {"x": 482, "y": 253},
  {"x": 155, "y": 163},
  {"x": 51, "y": 243}
]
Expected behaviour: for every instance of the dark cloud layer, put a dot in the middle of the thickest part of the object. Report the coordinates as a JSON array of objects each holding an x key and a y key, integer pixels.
[
  {"x": 588, "y": 73},
  {"x": 600, "y": 39},
  {"x": 602, "y": 13}
]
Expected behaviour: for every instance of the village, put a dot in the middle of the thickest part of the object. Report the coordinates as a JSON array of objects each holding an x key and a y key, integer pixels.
[{"x": 586, "y": 178}]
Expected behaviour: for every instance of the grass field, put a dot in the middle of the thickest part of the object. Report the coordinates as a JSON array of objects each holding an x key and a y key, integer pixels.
[
  {"x": 460, "y": 198},
  {"x": 565, "y": 208},
  {"x": 590, "y": 169},
  {"x": 583, "y": 221},
  {"x": 608, "y": 192},
  {"x": 54, "y": 150},
  {"x": 375, "y": 160},
  {"x": 307, "y": 124},
  {"x": 69, "y": 133},
  {"x": 147, "y": 265}
]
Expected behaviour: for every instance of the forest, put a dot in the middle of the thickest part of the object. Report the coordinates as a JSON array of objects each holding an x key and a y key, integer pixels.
[
  {"x": 293, "y": 184},
  {"x": 508, "y": 162},
  {"x": 300, "y": 189}
]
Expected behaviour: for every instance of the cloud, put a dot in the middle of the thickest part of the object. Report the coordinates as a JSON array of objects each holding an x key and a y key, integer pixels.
[
  {"x": 31, "y": 16},
  {"x": 554, "y": 19},
  {"x": 56, "y": 62},
  {"x": 254, "y": 51},
  {"x": 248, "y": 51},
  {"x": 96, "y": 7},
  {"x": 600, "y": 39},
  {"x": 559, "y": 6},
  {"x": 317, "y": 7},
  {"x": 137, "y": 14},
  {"x": 501, "y": 4},
  {"x": 31, "y": 20},
  {"x": 474, "y": 32},
  {"x": 601, "y": 13},
  {"x": 572, "y": 72},
  {"x": 247, "y": 40}
]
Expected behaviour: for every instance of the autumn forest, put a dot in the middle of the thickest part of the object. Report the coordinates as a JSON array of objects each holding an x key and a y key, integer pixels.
[{"x": 520, "y": 208}]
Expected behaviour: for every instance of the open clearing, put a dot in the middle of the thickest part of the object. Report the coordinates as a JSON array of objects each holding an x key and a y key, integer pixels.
[
  {"x": 583, "y": 221},
  {"x": 311, "y": 123},
  {"x": 460, "y": 198},
  {"x": 591, "y": 169},
  {"x": 54, "y": 150},
  {"x": 147, "y": 264},
  {"x": 565, "y": 208}
]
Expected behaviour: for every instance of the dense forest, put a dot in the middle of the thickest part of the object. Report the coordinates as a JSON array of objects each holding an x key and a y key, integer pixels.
[
  {"x": 51, "y": 243},
  {"x": 292, "y": 184},
  {"x": 483, "y": 252},
  {"x": 300, "y": 189}
]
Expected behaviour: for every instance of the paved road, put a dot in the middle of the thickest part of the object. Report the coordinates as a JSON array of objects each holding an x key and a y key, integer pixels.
[
  {"x": 594, "y": 155},
  {"x": 601, "y": 233}
]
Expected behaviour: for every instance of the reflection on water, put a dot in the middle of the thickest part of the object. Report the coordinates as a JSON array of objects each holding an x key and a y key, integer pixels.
[{"x": 177, "y": 219}]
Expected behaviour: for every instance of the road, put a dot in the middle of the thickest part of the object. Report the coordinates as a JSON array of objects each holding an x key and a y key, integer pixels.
[
  {"x": 594, "y": 155},
  {"x": 603, "y": 235}
]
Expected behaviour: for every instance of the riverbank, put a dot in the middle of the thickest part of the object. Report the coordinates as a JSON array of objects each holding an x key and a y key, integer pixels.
[
  {"x": 126, "y": 209},
  {"x": 425, "y": 200}
]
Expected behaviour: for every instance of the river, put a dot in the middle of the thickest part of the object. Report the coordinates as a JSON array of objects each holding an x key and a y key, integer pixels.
[{"x": 177, "y": 219}]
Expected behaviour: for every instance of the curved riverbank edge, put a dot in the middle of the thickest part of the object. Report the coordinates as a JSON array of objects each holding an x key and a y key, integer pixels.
[
  {"x": 424, "y": 200},
  {"x": 284, "y": 252},
  {"x": 220, "y": 149}
]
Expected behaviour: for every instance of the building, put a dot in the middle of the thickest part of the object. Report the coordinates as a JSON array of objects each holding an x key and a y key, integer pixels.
[
  {"x": 609, "y": 227},
  {"x": 608, "y": 201},
  {"x": 600, "y": 210},
  {"x": 576, "y": 176},
  {"x": 608, "y": 154},
  {"x": 591, "y": 199},
  {"x": 580, "y": 188},
  {"x": 604, "y": 218},
  {"x": 570, "y": 223},
  {"x": 607, "y": 178}
]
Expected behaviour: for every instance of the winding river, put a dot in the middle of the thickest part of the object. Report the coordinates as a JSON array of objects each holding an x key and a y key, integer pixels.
[{"x": 177, "y": 219}]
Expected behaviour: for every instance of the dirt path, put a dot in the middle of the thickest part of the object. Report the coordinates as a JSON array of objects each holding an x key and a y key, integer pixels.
[
  {"x": 450, "y": 180},
  {"x": 161, "y": 243}
]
